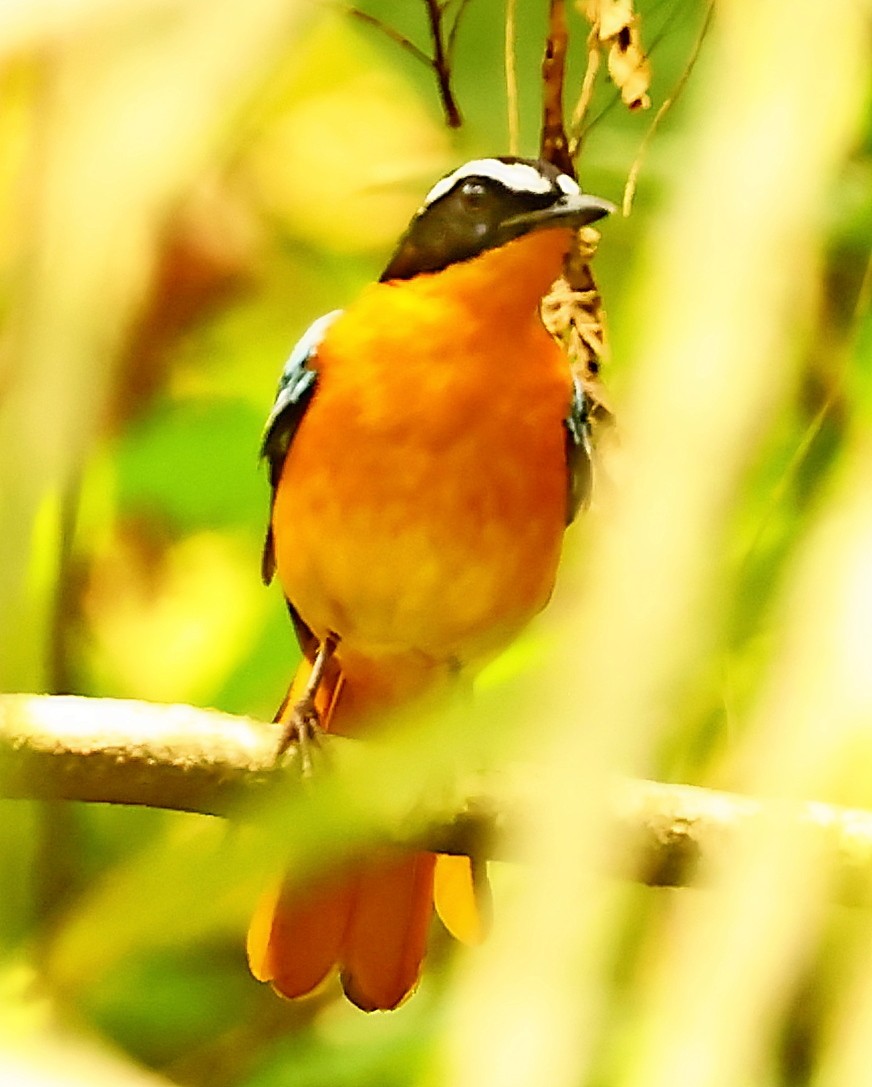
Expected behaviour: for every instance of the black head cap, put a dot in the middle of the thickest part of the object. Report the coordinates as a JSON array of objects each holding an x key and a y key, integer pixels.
[{"x": 484, "y": 204}]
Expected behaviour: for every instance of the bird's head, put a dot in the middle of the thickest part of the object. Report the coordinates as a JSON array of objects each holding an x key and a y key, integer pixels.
[{"x": 485, "y": 204}]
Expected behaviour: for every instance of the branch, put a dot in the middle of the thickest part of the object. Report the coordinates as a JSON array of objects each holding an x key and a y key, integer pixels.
[
  {"x": 442, "y": 60},
  {"x": 554, "y": 146},
  {"x": 108, "y": 750},
  {"x": 187, "y": 759},
  {"x": 439, "y": 63}
]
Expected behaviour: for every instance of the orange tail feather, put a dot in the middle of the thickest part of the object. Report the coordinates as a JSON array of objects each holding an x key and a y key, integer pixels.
[
  {"x": 462, "y": 898},
  {"x": 303, "y": 941},
  {"x": 387, "y": 935},
  {"x": 370, "y": 921}
]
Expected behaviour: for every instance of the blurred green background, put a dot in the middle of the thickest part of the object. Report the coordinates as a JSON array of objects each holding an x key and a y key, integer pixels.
[{"x": 184, "y": 186}]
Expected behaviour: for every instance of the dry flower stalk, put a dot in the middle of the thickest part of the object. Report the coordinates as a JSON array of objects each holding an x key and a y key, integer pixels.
[
  {"x": 615, "y": 24},
  {"x": 573, "y": 313}
]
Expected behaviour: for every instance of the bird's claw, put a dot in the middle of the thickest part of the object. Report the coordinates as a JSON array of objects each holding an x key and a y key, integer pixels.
[{"x": 302, "y": 731}]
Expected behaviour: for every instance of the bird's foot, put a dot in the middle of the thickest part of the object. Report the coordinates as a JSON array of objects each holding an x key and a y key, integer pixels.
[
  {"x": 301, "y": 722},
  {"x": 302, "y": 730}
]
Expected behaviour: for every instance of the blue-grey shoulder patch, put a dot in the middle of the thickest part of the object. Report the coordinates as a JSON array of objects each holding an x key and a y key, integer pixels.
[
  {"x": 297, "y": 379},
  {"x": 296, "y": 385},
  {"x": 579, "y": 473}
]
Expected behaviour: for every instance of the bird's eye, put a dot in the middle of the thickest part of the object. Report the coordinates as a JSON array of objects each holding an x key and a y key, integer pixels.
[{"x": 473, "y": 195}]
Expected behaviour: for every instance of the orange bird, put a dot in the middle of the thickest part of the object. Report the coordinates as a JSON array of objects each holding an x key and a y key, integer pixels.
[{"x": 427, "y": 447}]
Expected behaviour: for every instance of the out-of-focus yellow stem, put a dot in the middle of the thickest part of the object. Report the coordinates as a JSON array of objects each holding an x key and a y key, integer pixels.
[
  {"x": 726, "y": 292},
  {"x": 127, "y": 106}
]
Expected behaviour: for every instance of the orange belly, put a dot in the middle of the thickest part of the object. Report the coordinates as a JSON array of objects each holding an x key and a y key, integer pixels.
[{"x": 422, "y": 511}]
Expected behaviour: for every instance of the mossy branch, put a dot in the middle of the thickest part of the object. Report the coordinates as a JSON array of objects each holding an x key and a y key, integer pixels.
[{"x": 187, "y": 759}]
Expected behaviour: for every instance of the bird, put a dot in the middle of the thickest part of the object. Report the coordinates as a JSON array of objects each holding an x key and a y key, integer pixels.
[{"x": 426, "y": 448}]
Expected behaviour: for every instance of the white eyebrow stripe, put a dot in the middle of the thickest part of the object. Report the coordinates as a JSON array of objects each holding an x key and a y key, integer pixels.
[{"x": 516, "y": 176}]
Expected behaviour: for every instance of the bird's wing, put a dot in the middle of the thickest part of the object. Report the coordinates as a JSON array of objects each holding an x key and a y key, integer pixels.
[
  {"x": 296, "y": 386},
  {"x": 578, "y": 452}
]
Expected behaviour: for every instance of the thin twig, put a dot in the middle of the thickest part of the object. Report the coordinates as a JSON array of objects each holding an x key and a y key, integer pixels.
[
  {"x": 594, "y": 59},
  {"x": 441, "y": 65},
  {"x": 863, "y": 301},
  {"x": 779, "y": 490},
  {"x": 452, "y": 34},
  {"x": 512, "y": 79},
  {"x": 389, "y": 31},
  {"x": 667, "y": 104},
  {"x": 579, "y": 135}
]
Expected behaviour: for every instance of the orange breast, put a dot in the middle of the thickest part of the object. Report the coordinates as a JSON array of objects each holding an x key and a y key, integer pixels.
[{"x": 422, "y": 503}]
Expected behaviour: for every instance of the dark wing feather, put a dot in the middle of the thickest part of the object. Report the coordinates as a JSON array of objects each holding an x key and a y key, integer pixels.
[
  {"x": 579, "y": 474},
  {"x": 296, "y": 386}
]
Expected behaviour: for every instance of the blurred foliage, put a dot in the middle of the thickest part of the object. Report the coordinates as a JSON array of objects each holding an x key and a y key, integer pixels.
[{"x": 183, "y": 187}]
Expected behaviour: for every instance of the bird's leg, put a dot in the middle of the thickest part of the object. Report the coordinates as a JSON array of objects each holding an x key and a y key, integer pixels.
[{"x": 303, "y": 725}]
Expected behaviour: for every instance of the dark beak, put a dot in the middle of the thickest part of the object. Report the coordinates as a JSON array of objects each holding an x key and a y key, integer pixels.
[{"x": 572, "y": 210}]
